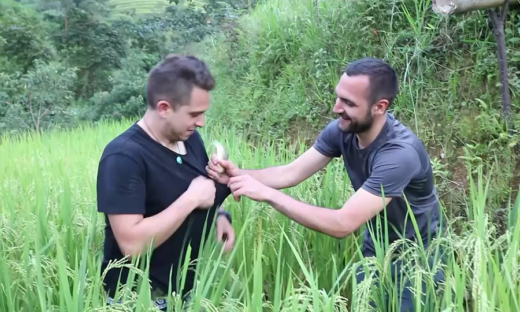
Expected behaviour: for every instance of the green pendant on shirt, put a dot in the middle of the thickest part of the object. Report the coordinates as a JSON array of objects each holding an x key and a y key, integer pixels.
[{"x": 179, "y": 160}]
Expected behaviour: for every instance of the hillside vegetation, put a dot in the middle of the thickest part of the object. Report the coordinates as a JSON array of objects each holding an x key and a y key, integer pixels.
[
  {"x": 276, "y": 70},
  {"x": 278, "y": 67},
  {"x": 72, "y": 76}
]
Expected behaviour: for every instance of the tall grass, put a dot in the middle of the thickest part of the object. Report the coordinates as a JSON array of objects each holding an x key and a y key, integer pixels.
[{"x": 51, "y": 242}]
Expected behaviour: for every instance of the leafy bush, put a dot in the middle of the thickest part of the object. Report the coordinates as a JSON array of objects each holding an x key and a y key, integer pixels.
[
  {"x": 23, "y": 38},
  {"x": 126, "y": 98},
  {"x": 28, "y": 103}
]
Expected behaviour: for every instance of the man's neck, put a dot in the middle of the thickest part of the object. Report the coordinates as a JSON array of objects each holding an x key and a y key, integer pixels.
[
  {"x": 367, "y": 137},
  {"x": 151, "y": 125}
]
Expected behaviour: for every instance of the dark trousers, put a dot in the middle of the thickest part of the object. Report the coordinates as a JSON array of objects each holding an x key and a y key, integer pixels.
[
  {"x": 406, "y": 298},
  {"x": 159, "y": 301}
]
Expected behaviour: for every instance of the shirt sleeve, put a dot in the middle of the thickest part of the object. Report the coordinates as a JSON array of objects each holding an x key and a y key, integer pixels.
[
  {"x": 393, "y": 169},
  {"x": 328, "y": 141},
  {"x": 121, "y": 186}
]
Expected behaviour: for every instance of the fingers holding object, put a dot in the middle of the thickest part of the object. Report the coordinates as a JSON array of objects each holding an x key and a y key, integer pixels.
[{"x": 212, "y": 173}]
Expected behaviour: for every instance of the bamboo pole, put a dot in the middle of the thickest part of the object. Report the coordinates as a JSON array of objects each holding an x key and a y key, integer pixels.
[
  {"x": 447, "y": 7},
  {"x": 498, "y": 17}
]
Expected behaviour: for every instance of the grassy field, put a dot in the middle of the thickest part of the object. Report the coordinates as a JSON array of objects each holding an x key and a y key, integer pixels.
[
  {"x": 51, "y": 241},
  {"x": 140, "y": 6}
]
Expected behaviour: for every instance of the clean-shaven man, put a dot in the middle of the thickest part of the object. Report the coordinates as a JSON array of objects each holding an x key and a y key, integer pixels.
[{"x": 152, "y": 184}]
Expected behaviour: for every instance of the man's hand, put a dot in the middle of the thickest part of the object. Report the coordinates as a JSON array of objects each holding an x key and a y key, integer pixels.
[
  {"x": 134, "y": 233},
  {"x": 246, "y": 185},
  {"x": 221, "y": 170},
  {"x": 202, "y": 191},
  {"x": 225, "y": 233}
]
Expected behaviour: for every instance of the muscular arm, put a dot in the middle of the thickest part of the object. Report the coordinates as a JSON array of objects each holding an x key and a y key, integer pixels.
[
  {"x": 316, "y": 158},
  {"x": 292, "y": 174},
  {"x": 326, "y": 147},
  {"x": 121, "y": 195},
  {"x": 360, "y": 208},
  {"x": 135, "y": 234},
  {"x": 393, "y": 169}
]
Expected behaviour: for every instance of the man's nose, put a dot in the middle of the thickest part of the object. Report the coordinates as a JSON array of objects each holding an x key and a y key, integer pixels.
[
  {"x": 338, "y": 108},
  {"x": 200, "y": 121}
]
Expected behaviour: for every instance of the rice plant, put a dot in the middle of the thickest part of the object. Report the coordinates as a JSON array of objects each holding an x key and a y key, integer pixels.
[{"x": 51, "y": 242}]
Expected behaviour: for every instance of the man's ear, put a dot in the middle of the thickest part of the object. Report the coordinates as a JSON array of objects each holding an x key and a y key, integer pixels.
[
  {"x": 380, "y": 107},
  {"x": 163, "y": 107}
]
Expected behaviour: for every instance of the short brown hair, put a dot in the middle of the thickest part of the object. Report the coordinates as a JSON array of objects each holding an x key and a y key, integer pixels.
[
  {"x": 384, "y": 83},
  {"x": 173, "y": 79}
]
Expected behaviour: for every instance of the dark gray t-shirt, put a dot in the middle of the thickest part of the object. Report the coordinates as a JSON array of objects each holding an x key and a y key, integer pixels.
[{"x": 396, "y": 161}]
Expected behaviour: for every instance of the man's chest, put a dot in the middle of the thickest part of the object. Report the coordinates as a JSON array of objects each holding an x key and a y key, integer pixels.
[
  {"x": 167, "y": 179},
  {"x": 358, "y": 164},
  {"x": 358, "y": 169}
]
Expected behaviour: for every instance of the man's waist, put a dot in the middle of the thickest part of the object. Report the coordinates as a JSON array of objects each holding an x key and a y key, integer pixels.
[{"x": 388, "y": 239}]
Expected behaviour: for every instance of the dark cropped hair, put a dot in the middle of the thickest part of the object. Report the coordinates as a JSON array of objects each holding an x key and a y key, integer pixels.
[
  {"x": 383, "y": 79},
  {"x": 174, "y": 78}
]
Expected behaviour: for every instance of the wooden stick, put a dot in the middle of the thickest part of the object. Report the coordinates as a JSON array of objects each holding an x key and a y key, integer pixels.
[{"x": 447, "y": 7}]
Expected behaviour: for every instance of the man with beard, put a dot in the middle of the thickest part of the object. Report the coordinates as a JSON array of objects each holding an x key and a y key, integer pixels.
[
  {"x": 381, "y": 156},
  {"x": 152, "y": 184}
]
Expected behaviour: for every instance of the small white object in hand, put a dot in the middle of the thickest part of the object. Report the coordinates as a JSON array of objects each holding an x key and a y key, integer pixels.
[{"x": 220, "y": 151}]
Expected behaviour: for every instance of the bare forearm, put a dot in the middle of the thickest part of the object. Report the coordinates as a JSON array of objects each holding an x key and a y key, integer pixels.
[
  {"x": 276, "y": 177},
  {"x": 324, "y": 220},
  {"x": 289, "y": 175},
  {"x": 158, "y": 228}
]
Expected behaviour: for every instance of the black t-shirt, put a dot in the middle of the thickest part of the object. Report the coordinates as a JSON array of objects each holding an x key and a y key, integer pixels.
[{"x": 138, "y": 175}]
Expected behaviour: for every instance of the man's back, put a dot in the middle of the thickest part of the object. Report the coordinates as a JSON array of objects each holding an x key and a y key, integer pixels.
[
  {"x": 397, "y": 162},
  {"x": 137, "y": 175}
]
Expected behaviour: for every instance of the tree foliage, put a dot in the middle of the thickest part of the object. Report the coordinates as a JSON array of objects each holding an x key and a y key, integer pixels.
[{"x": 67, "y": 61}]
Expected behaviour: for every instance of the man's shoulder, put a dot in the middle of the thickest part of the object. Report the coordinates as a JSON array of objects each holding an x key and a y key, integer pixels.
[
  {"x": 402, "y": 146},
  {"x": 125, "y": 144},
  {"x": 332, "y": 128},
  {"x": 400, "y": 137},
  {"x": 329, "y": 140}
]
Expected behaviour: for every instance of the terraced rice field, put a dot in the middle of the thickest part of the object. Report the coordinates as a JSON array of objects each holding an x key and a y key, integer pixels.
[{"x": 139, "y": 6}]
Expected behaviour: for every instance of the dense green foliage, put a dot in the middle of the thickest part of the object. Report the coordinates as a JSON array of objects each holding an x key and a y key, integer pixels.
[
  {"x": 97, "y": 57},
  {"x": 276, "y": 69}
]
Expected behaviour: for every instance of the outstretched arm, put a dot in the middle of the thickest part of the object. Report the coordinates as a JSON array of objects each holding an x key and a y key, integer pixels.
[
  {"x": 360, "y": 208},
  {"x": 292, "y": 174},
  {"x": 326, "y": 147},
  {"x": 277, "y": 177},
  {"x": 392, "y": 171}
]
